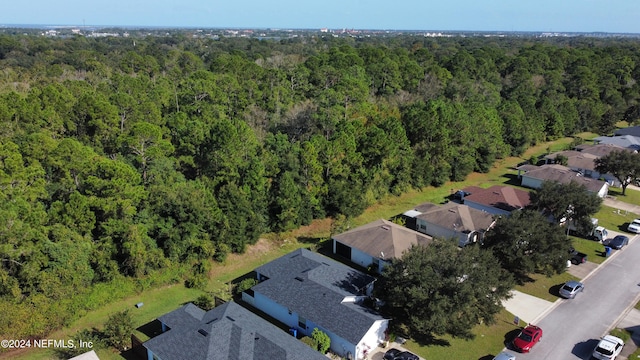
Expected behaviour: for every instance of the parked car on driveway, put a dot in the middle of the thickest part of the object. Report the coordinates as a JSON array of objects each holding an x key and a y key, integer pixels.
[
  {"x": 618, "y": 242},
  {"x": 608, "y": 348},
  {"x": 527, "y": 338},
  {"x": 395, "y": 354},
  {"x": 634, "y": 226},
  {"x": 576, "y": 257},
  {"x": 570, "y": 289}
]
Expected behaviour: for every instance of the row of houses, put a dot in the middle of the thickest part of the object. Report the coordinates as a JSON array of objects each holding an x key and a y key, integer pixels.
[{"x": 303, "y": 290}]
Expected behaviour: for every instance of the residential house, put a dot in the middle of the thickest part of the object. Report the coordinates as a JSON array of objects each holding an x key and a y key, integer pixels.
[
  {"x": 624, "y": 141},
  {"x": 599, "y": 150},
  {"x": 305, "y": 290},
  {"x": 228, "y": 331},
  {"x": 583, "y": 162},
  {"x": 631, "y": 130},
  {"x": 496, "y": 200},
  {"x": 534, "y": 178},
  {"x": 452, "y": 220},
  {"x": 377, "y": 243}
]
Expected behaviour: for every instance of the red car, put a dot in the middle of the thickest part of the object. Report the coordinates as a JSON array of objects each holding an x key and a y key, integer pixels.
[{"x": 528, "y": 337}]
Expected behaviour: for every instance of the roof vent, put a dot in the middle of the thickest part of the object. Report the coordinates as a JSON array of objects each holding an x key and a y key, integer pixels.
[
  {"x": 453, "y": 211},
  {"x": 230, "y": 318},
  {"x": 386, "y": 227},
  {"x": 299, "y": 278},
  {"x": 212, "y": 320},
  {"x": 203, "y": 332}
]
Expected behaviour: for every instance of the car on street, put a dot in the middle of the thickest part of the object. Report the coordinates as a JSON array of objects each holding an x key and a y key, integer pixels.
[
  {"x": 618, "y": 242},
  {"x": 570, "y": 289},
  {"x": 608, "y": 348},
  {"x": 505, "y": 356},
  {"x": 634, "y": 226},
  {"x": 395, "y": 354},
  {"x": 528, "y": 337}
]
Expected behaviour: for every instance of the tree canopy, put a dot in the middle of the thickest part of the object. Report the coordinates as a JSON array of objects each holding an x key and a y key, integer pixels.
[
  {"x": 128, "y": 161},
  {"x": 565, "y": 202},
  {"x": 526, "y": 243},
  {"x": 442, "y": 289},
  {"x": 624, "y": 165}
]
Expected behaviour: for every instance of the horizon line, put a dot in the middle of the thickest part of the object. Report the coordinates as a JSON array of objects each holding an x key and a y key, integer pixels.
[{"x": 190, "y": 27}]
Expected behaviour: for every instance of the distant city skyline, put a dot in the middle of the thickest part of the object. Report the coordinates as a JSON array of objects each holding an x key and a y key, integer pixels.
[{"x": 613, "y": 16}]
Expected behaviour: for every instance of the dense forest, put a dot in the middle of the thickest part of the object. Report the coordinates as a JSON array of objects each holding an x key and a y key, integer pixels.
[{"x": 131, "y": 162}]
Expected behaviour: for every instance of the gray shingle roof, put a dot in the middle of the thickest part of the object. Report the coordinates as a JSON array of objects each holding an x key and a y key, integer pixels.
[
  {"x": 382, "y": 236},
  {"x": 600, "y": 150},
  {"x": 626, "y": 141},
  {"x": 576, "y": 159},
  {"x": 455, "y": 216},
  {"x": 631, "y": 130},
  {"x": 314, "y": 287},
  {"x": 564, "y": 175},
  {"x": 227, "y": 332}
]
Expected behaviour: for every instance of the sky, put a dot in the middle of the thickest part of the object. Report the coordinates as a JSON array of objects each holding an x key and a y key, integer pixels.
[{"x": 612, "y": 16}]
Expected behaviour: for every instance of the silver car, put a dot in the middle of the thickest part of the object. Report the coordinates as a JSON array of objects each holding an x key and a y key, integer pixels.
[{"x": 570, "y": 289}]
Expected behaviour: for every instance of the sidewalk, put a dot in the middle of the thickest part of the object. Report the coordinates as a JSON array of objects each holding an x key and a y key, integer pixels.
[
  {"x": 631, "y": 323},
  {"x": 621, "y": 205}
]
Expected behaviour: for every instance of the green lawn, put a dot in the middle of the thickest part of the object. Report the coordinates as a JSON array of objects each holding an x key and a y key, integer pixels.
[
  {"x": 630, "y": 196},
  {"x": 488, "y": 342},
  {"x": 156, "y": 302},
  {"x": 592, "y": 248},
  {"x": 545, "y": 287},
  {"x": 614, "y": 219}
]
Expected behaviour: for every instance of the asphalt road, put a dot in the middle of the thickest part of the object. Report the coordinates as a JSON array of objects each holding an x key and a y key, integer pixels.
[{"x": 572, "y": 329}]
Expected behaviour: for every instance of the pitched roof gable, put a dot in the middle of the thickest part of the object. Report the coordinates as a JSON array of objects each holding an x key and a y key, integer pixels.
[
  {"x": 600, "y": 150},
  {"x": 564, "y": 175},
  {"x": 625, "y": 141},
  {"x": 502, "y": 197},
  {"x": 315, "y": 287},
  {"x": 576, "y": 159},
  {"x": 228, "y": 331},
  {"x": 383, "y": 239},
  {"x": 454, "y": 216}
]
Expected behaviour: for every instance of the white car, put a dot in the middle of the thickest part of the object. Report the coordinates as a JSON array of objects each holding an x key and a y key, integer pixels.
[
  {"x": 634, "y": 226},
  {"x": 608, "y": 348}
]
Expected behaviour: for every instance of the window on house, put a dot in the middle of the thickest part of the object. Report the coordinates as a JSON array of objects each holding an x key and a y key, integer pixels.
[{"x": 302, "y": 322}]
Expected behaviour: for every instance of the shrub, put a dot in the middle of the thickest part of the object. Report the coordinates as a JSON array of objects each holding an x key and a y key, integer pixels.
[
  {"x": 322, "y": 339},
  {"x": 118, "y": 328},
  {"x": 246, "y": 284},
  {"x": 204, "y": 302}
]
